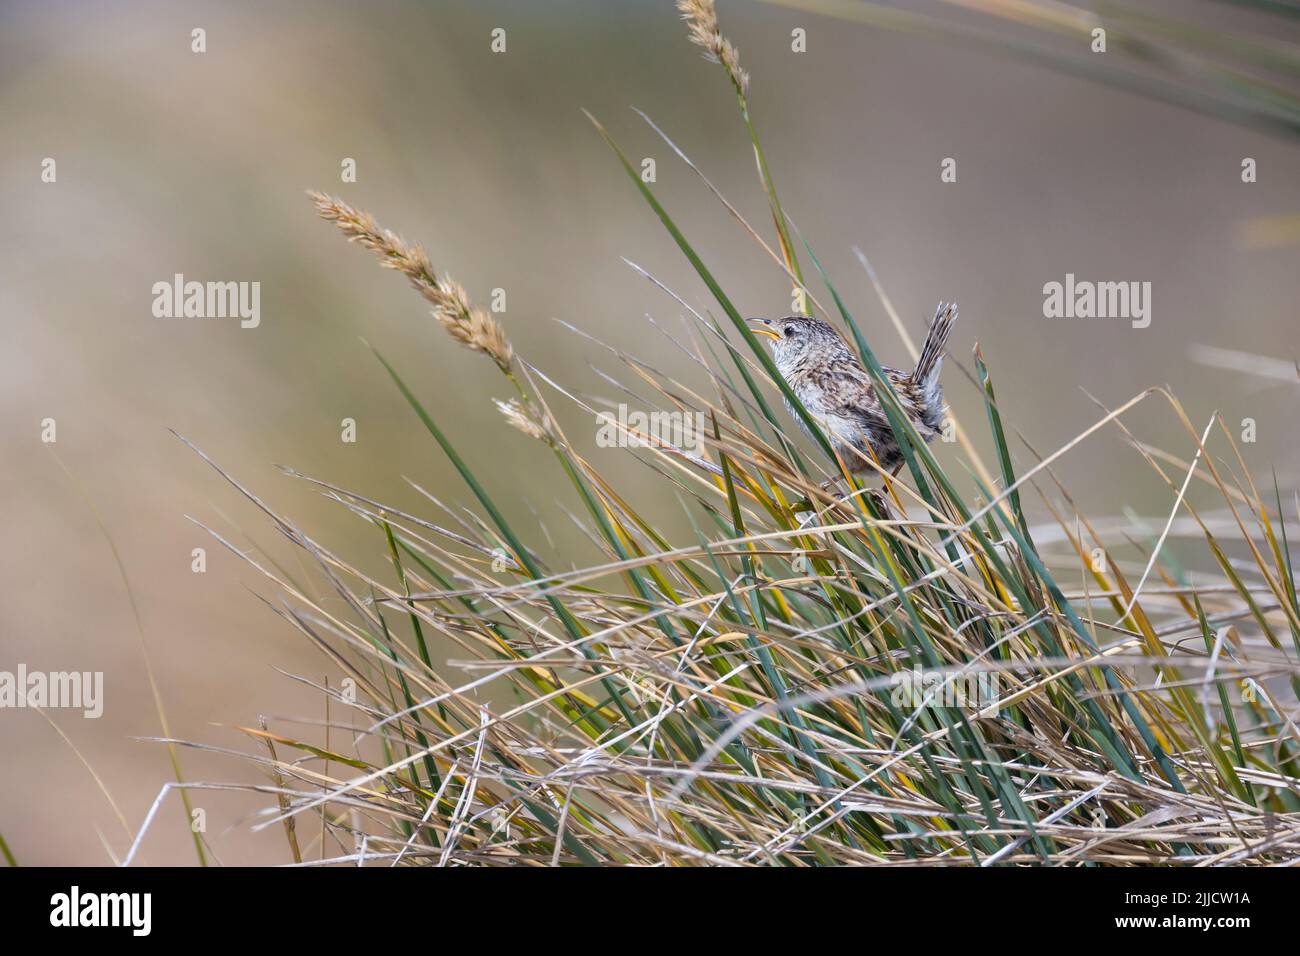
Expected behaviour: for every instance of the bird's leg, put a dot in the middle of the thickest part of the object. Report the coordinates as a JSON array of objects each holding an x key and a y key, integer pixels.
[
  {"x": 831, "y": 486},
  {"x": 881, "y": 494},
  {"x": 884, "y": 487}
]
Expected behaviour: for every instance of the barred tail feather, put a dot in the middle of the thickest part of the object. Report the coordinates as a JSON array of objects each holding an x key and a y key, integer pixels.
[{"x": 926, "y": 376}]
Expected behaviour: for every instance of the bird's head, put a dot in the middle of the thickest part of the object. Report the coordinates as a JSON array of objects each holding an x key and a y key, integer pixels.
[{"x": 796, "y": 339}]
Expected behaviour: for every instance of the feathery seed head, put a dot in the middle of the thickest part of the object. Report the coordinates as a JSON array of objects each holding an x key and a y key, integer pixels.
[
  {"x": 471, "y": 326},
  {"x": 701, "y": 17},
  {"x": 524, "y": 418}
]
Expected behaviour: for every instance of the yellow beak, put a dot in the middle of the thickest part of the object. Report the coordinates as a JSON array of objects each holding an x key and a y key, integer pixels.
[{"x": 759, "y": 327}]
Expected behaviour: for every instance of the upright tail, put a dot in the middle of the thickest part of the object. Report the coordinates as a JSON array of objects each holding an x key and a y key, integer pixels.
[{"x": 926, "y": 376}]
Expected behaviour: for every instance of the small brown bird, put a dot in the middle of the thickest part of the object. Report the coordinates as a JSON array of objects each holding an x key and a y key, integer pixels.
[{"x": 839, "y": 394}]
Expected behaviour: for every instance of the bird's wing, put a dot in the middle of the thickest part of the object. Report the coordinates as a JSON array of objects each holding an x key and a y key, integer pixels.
[{"x": 846, "y": 391}]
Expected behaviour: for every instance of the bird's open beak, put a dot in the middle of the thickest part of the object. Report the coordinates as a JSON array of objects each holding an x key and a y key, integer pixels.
[{"x": 763, "y": 327}]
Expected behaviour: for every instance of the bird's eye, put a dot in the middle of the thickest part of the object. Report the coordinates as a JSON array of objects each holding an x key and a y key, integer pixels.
[{"x": 789, "y": 331}]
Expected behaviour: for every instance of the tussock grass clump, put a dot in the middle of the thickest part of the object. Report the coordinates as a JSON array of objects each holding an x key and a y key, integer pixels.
[{"x": 915, "y": 675}]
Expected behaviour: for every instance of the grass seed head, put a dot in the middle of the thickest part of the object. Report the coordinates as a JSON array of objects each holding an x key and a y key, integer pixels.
[
  {"x": 701, "y": 17},
  {"x": 464, "y": 322},
  {"x": 524, "y": 418}
]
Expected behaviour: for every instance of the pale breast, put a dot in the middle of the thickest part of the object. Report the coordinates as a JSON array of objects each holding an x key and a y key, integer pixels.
[{"x": 841, "y": 430}]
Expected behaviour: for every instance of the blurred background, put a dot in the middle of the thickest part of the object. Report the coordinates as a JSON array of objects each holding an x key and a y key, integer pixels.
[{"x": 171, "y": 162}]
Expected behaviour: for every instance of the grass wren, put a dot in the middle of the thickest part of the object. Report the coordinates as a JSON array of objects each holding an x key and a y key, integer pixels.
[{"x": 838, "y": 392}]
